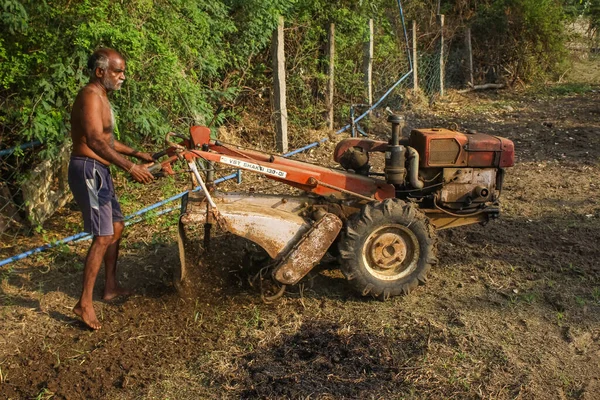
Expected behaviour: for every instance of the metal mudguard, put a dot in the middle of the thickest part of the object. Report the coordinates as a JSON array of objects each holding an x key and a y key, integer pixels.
[{"x": 274, "y": 222}]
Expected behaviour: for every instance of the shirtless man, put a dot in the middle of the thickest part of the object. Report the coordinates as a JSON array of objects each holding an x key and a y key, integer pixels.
[{"x": 94, "y": 149}]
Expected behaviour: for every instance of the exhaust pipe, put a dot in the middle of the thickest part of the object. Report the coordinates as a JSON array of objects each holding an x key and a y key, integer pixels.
[{"x": 413, "y": 170}]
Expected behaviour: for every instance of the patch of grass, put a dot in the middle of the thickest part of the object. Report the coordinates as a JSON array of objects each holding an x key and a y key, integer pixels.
[
  {"x": 565, "y": 380},
  {"x": 169, "y": 187},
  {"x": 151, "y": 217},
  {"x": 255, "y": 321},
  {"x": 529, "y": 298},
  {"x": 596, "y": 294},
  {"x": 6, "y": 274},
  {"x": 560, "y": 316},
  {"x": 567, "y": 89},
  {"x": 172, "y": 219},
  {"x": 126, "y": 199},
  {"x": 460, "y": 355},
  {"x": 44, "y": 394}
]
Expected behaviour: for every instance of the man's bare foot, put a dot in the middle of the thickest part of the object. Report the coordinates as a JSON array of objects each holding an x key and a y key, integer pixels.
[
  {"x": 111, "y": 293},
  {"x": 88, "y": 315}
]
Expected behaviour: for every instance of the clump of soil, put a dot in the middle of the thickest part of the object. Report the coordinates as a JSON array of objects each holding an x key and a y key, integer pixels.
[{"x": 326, "y": 358}]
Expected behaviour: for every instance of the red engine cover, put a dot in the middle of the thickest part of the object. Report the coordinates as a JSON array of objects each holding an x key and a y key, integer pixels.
[{"x": 445, "y": 148}]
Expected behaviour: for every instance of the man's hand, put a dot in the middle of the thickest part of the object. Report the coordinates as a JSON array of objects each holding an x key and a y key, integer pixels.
[
  {"x": 144, "y": 156},
  {"x": 140, "y": 173}
]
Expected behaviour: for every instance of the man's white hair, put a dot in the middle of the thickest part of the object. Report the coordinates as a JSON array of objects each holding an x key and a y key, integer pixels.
[{"x": 99, "y": 59}]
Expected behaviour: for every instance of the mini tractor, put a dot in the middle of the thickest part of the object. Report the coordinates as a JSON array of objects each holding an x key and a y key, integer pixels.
[{"x": 381, "y": 224}]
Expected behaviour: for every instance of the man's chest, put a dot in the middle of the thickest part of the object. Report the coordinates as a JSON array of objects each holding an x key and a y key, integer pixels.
[{"x": 108, "y": 117}]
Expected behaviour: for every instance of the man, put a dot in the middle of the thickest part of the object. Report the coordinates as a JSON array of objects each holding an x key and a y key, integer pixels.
[{"x": 94, "y": 149}]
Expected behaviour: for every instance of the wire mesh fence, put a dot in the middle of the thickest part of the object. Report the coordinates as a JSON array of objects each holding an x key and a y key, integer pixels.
[
  {"x": 14, "y": 163},
  {"x": 424, "y": 83}
]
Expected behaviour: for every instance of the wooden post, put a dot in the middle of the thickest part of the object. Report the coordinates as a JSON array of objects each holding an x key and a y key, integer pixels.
[
  {"x": 470, "y": 81},
  {"x": 415, "y": 57},
  {"x": 368, "y": 64},
  {"x": 279, "y": 88},
  {"x": 442, "y": 63},
  {"x": 330, "y": 92}
]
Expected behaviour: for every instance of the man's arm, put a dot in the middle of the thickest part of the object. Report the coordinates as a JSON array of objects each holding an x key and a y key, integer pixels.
[
  {"x": 102, "y": 143},
  {"x": 128, "y": 151}
]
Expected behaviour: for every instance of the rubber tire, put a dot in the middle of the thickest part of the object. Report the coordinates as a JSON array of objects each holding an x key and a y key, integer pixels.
[{"x": 376, "y": 216}]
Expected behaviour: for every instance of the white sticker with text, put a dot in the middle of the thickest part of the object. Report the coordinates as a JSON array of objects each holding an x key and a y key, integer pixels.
[{"x": 253, "y": 167}]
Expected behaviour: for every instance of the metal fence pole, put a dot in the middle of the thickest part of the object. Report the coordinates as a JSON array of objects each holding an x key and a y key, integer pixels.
[
  {"x": 415, "y": 58},
  {"x": 281, "y": 116},
  {"x": 469, "y": 47},
  {"x": 330, "y": 92},
  {"x": 442, "y": 62}
]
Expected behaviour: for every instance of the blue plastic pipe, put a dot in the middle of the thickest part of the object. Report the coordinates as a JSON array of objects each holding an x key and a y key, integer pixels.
[{"x": 7, "y": 152}]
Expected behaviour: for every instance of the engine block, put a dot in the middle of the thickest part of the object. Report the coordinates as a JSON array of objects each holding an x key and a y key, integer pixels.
[{"x": 440, "y": 147}]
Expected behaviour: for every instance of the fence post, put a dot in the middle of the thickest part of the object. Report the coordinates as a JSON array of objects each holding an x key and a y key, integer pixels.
[
  {"x": 442, "y": 63},
  {"x": 368, "y": 64},
  {"x": 281, "y": 116},
  {"x": 331, "y": 39},
  {"x": 414, "y": 56},
  {"x": 469, "y": 47}
]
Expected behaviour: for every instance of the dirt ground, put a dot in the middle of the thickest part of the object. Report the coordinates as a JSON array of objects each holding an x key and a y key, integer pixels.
[{"x": 512, "y": 310}]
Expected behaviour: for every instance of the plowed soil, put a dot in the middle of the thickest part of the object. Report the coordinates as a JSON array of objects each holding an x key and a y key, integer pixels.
[{"x": 512, "y": 310}]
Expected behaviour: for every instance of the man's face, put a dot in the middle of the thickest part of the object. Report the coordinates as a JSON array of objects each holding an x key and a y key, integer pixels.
[{"x": 113, "y": 76}]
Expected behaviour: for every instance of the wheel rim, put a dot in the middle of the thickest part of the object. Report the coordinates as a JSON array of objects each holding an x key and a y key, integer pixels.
[{"x": 391, "y": 252}]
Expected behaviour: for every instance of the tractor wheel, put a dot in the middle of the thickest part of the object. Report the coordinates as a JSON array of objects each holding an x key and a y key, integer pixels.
[{"x": 387, "y": 249}]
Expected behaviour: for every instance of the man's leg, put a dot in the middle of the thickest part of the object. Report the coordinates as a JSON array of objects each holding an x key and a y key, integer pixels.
[
  {"x": 84, "y": 307},
  {"x": 111, "y": 287}
]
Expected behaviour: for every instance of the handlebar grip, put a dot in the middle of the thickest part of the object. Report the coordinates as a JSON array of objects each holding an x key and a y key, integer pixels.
[
  {"x": 175, "y": 145},
  {"x": 159, "y": 154},
  {"x": 157, "y": 167}
]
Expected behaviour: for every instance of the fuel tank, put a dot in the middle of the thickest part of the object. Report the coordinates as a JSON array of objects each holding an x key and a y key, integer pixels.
[{"x": 438, "y": 147}]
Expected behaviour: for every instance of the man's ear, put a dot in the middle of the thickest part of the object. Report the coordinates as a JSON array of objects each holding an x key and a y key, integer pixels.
[{"x": 99, "y": 72}]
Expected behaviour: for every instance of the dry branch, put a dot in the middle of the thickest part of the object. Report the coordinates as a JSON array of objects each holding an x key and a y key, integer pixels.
[{"x": 483, "y": 87}]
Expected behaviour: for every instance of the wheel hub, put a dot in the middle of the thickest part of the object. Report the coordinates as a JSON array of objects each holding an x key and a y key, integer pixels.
[
  {"x": 388, "y": 250},
  {"x": 391, "y": 252}
]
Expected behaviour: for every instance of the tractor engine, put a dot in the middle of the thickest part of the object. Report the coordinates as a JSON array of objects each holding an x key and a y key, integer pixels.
[
  {"x": 442, "y": 168},
  {"x": 467, "y": 169}
]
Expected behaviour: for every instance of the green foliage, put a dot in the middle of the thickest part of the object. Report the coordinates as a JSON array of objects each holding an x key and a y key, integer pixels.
[
  {"x": 587, "y": 8},
  {"x": 568, "y": 89},
  {"x": 255, "y": 22},
  {"x": 307, "y": 62},
  {"x": 592, "y": 10},
  {"x": 522, "y": 37},
  {"x": 173, "y": 51}
]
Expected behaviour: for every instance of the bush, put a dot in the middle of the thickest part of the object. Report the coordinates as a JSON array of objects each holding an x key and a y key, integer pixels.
[
  {"x": 518, "y": 39},
  {"x": 176, "y": 50}
]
